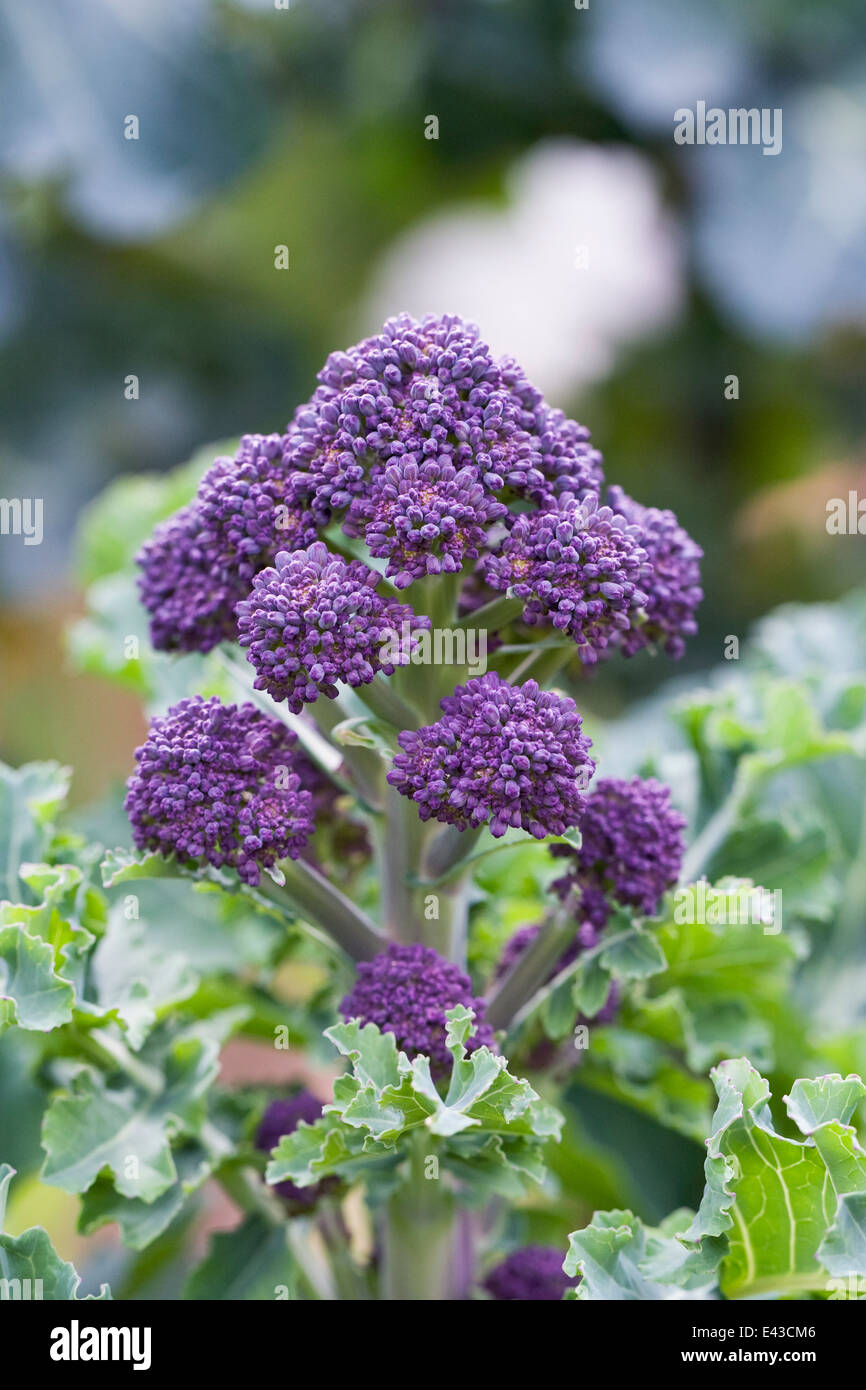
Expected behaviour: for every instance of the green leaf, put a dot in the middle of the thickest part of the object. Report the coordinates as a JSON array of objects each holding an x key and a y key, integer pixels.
[
  {"x": 620, "y": 1259},
  {"x": 820, "y": 1100},
  {"x": 387, "y": 1098},
  {"x": 373, "y": 1054},
  {"x": 30, "y": 799},
  {"x": 99, "y": 644},
  {"x": 137, "y": 978},
  {"x": 481, "y": 1091},
  {"x": 776, "y": 1199},
  {"x": 635, "y": 956},
  {"x": 558, "y": 1010},
  {"x": 842, "y": 1252},
  {"x": 39, "y": 998},
  {"x": 493, "y": 1165},
  {"x": 792, "y": 732},
  {"x": 253, "y": 1262},
  {"x": 727, "y": 980},
  {"x": 67, "y": 920},
  {"x": 793, "y": 855},
  {"x": 30, "y": 1267},
  {"x": 779, "y": 1217},
  {"x": 633, "y": 1069},
  {"x": 141, "y": 1222},
  {"x": 115, "y": 1125},
  {"x": 591, "y": 986},
  {"x": 125, "y": 866}
]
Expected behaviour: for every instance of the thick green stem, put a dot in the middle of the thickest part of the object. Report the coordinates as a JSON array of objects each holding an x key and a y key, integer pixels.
[
  {"x": 400, "y": 839},
  {"x": 383, "y": 700},
  {"x": 420, "y": 1234},
  {"x": 448, "y": 930},
  {"x": 543, "y": 664},
  {"x": 531, "y": 968},
  {"x": 365, "y": 768},
  {"x": 307, "y": 892},
  {"x": 447, "y": 848},
  {"x": 350, "y": 1281},
  {"x": 494, "y": 615}
]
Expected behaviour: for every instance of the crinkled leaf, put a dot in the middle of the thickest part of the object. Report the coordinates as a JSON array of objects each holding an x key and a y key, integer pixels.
[
  {"x": 124, "y": 866},
  {"x": 843, "y": 1249},
  {"x": 386, "y": 1098},
  {"x": 30, "y": 1260},
  {"x": 116, "y": 1125},
  {"x": 141, "y": 1222},
  {"x": 373, "y": 1054},
  {"x": 493, "y": 1165},
  {"x": 776, "y": 1199},
  {"x": 137, "y": 977},
  {"x": 620, "y": 1259},
  {"x": 38, "y": 998}
]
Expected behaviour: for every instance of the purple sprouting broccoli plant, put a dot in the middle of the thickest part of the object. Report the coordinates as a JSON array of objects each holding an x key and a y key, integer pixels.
[{"x": 425, "y": 490}]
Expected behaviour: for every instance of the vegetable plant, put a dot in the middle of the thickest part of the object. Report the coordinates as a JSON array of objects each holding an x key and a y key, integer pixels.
[{"x": 537, "y": 981}]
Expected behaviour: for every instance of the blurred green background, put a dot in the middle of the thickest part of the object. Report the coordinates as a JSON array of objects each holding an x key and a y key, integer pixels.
[{"x": 629, "y": 274}]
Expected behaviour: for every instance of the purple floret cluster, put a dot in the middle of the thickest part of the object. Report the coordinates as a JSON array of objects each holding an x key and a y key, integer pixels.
[
  {"x": 532, "y": 1274},
  {"x": 283, "y": 1117},
  {"x": 429, "y": 391},
  {"x": 443, "y": 460},
  {"x": 631, "y": 847},
  {"x": 314, "y": 619},
  {"x": 501, "y": 755},
  {"x": 578, "y": 567},
  {"x": 406, "y": 990},
  {"x": 219, "y": 784},
  {"x": 427, "y": 518},
  {"x": 675, "y": 592},
  {"x": 199, "y": 563}
]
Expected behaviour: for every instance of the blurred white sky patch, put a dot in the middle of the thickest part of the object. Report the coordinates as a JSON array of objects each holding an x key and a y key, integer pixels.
[{"x": 582, "y": 260}]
